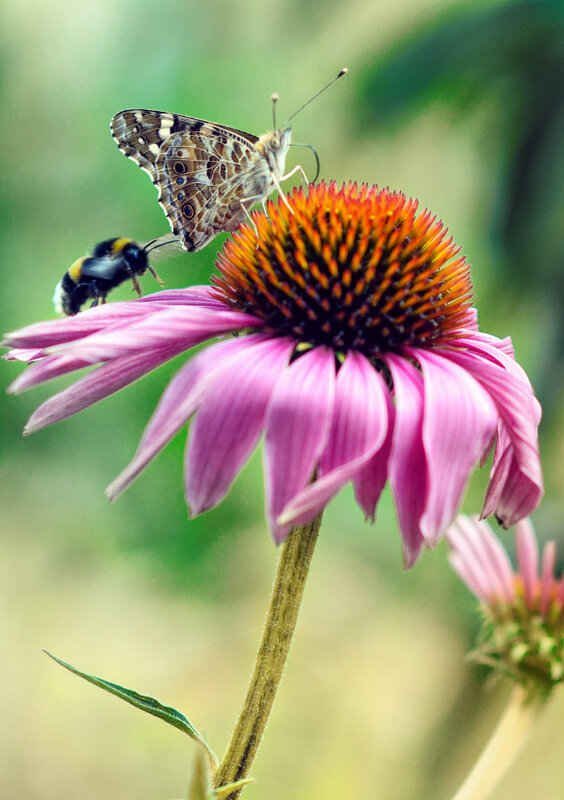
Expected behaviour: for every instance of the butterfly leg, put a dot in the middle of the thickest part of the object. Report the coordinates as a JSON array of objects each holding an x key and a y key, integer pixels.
[
  {"x": 251, "y": 220},
  {"x": 299, "y": 168},
  {"x": 281, "y": 193},
  {"x": 277, "y": 183}
]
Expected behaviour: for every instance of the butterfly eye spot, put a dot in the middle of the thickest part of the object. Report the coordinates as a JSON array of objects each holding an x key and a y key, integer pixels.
[
  {"x": 180, "y": 196},
  {"x": 180, "y": 181},
  {"x": 180, "y": 153},
  {"x": 179, "y": 167},
  {"x": 188, "y": 210}
]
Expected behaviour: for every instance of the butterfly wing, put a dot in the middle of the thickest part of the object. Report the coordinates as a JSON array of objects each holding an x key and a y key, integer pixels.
[{"x": 203, "y": 171}]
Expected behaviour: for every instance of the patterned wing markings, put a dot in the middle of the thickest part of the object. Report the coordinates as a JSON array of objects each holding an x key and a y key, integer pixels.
[{"x": 207, "y": 175}]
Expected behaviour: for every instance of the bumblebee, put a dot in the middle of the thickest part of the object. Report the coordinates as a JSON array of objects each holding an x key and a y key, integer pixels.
[{"x": 111, "y": 263}]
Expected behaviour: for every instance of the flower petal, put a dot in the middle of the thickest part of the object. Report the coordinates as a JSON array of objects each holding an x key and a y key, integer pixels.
[
  {"x": 59, "y": 331},
  {"x": 181, "y": 398},
  {"x": 487, "y": 560},
  {"x": 181, "y": 326},
  {"x": 547, "y": 576},
  {"x": 25, "y": 354},
  {"x": 372, "y": 476},
  {"x": 99, "y": 383},
  {"x": 298, "y": 421},
  {"x": 459, "y": 420},
  {"x": 191, "y": 296},
  {"x": 528, "y": 559},
  {"x": 46, "y": 369},
  {"x": 230, "y": 420},
  {"x": 517, "y": 483},
  {"x": 407, "y": 463},
  {"x": 462, "y": 557},
  {"x": 359, "y": 426}
]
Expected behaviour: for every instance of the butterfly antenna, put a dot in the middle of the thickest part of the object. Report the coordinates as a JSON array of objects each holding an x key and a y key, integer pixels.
[
  {"x": 314, "y": 151},
  {"x": 274, "y": 99},
  {"x": 160, "y": 241},
  {"x": 311, "y": 99}
]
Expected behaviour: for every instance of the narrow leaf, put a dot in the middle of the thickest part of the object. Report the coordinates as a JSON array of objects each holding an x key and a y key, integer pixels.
[
  {"x": 143, "y": 702},
  {"x": 224, "y": 791},
  {"x": 201, "y": 788}
]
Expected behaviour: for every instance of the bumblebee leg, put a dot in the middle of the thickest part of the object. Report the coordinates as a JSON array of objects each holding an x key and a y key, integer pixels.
[
  {"x": 99, "y": 297},
  {"x": 155, "y": 276},
  {"x": 136, "y": 286}
]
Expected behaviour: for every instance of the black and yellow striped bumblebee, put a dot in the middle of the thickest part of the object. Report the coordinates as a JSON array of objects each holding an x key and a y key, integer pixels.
[{"x": 111, "y": 263}]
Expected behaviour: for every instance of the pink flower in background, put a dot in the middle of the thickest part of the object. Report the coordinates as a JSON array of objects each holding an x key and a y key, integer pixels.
[
  {"x": 358, "y": 358},
  {"x": 523, "y": 609}
]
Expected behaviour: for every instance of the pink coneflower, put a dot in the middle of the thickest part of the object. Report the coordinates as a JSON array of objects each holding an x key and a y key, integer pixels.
[
  {"x": 523, "y": 634},
  {"x": 358, "y": 358}
]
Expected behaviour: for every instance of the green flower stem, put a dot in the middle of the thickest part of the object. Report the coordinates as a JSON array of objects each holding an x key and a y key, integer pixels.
[
  {"x": 287, "y": 592},
  {"x": 503, "y": 746}
]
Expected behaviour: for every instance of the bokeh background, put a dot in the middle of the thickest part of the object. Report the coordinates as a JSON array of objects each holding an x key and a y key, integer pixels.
[{"x": 460, "y": 104}]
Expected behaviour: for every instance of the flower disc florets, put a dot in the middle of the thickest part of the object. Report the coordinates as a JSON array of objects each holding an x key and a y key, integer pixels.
[
  {"x": 351, "y": 268},
  {"x": 523, "y": 610},
  {"x": 357, "y": 360}
]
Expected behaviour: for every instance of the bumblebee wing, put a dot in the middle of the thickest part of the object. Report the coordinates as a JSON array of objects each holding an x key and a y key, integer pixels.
[{"x": 105, "y": 267}]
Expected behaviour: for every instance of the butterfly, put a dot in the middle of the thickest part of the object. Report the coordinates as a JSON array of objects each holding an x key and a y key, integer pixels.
[
  {"x": 111, "y": 263},
  {"x": 208, "y": 175}
]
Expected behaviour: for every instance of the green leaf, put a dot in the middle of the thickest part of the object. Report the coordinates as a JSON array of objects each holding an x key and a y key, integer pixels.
[
  {"x": 224, "y": 791},
  {"x": 143, "y": 702},
  {"x": 201, "y": 788},
  {"x": 202, "y": 785}
]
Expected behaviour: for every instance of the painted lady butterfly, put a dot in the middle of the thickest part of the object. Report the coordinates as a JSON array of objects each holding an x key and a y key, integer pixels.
[{"x": 208, "y": 176}]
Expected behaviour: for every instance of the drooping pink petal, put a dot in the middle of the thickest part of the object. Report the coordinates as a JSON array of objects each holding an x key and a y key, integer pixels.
[
  {"x": 59, "y": 331},
  {"x": 560, "y": 592},
  {"x": 370, "y": 480},
  {"x": 298, "y": 421},
  {"x": 181, "y": 398},
  {"x": 230, "y": 420},
  {"x": 186, "y": 326},
  {"x": 26, "y": 354},
  {"x": 511, "y": 391},
  {"x": 463, "y": 558},
  {"x": 46, "y": 369},
  {"x": 110, "y": 316},
  {"x": 459, "y": 420},
  {"x": 504, "y": 345},
  {"x": 98, "y": 384},
  {"x": 547, "y": 576},
  {"x": 358, "y": 429},
  {"x": 408, "y": 469},
  {"x": 510, "y": 494},
  {"x": 489, "y": 557},
  {"x": 528, "y": 559},
  {"x": 503, "y": 455},
  {"x": 191, "y": 295}
]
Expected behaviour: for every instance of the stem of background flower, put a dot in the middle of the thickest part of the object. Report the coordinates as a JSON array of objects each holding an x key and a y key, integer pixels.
[
  {"x": 287, "y": 592},
  {"x": 503, "y": 745}
]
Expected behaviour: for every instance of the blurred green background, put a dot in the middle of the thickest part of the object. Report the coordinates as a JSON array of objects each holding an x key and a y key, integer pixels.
[{"x": 458, "y": 104}]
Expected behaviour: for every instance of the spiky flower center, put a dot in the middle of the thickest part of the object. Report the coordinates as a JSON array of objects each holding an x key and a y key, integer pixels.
[
  {"x": 521, "y": 642},
  {"x": 351, "y": 268}
]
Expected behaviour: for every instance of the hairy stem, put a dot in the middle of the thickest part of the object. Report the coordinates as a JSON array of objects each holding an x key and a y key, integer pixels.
[{"x": 287, "y": 592}]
